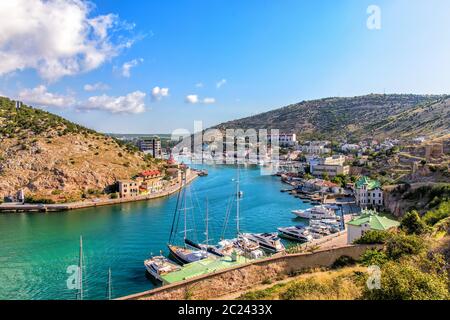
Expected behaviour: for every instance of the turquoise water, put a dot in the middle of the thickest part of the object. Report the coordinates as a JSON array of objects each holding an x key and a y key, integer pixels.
[{"x": 36, "y": 249}]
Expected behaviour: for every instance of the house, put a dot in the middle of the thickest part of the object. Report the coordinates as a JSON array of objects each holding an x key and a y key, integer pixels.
[
  {"x": 368, "y": 220},
  {"x": 285, "y": 139},
  {"x": 128, "y": 188},
  {"x": 319, "y": 185},
  {"x": 315, "y": 147},
  {"x": 368, "y": 193},
  {"x": 331, "y": 166},
  {"x": 150, "y": 181}
]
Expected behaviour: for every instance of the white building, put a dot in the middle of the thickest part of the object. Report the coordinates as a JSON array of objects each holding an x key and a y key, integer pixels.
[
  {"x": 367, "y": 221},
  {"x": 331, "y": 166},
  {"x": 150, "y": 146},
  {"x": 368, "y": 193}
]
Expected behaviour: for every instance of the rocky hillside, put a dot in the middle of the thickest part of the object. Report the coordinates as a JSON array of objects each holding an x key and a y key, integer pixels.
[
  {"x": 52, "y": 158},
  {"x": 357, "y": 117}
]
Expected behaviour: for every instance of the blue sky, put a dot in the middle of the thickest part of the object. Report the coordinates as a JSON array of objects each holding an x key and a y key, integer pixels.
[{"x": 233, "y": 58}]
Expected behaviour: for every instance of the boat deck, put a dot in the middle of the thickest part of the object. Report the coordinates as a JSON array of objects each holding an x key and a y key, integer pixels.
[{"x": 202, "y": 267}]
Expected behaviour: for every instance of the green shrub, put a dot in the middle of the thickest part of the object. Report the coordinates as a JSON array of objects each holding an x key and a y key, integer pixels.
[
  {"x": 400, "y": 245},
  {"x": 434, "y": 216},
  {"x": 113, "y": 196},
  {"x": 413, "y": 224},
  {"x": 373, "y": 257},
  {"x": 343, "y": 261},
  {"x": 404, "y": 281},
  {"x": 373, "y": 237},
  {"x": 33, "y": 200}
]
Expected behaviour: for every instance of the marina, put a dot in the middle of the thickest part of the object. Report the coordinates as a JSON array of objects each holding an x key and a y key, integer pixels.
[{"x": 38, "y": 248}]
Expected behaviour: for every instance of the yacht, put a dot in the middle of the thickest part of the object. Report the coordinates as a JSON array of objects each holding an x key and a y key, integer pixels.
[
  {"x": 268, "y": 241},
  {"x": 159, "y": 265},
  {"x": 186, "y": 255},
  {"x": 318, "y": 212},
  {"x": 298, "y": 233}
]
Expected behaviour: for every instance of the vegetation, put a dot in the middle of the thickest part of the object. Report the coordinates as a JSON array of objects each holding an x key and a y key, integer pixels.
[
  {"x": 353, "y": 118},
  {"x": 373, "y": 237},
  {"x": 413, "y": 224}
]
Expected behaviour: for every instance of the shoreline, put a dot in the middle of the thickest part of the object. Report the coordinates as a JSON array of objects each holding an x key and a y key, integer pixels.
[{"x": 19, "y": 208}]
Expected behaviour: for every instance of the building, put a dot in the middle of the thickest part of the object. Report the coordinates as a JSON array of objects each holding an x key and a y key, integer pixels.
[
  {"x": 369, "y": 220},
  {"x": 331, "y": 166},
  {"x": 128, "y": 188},
  {"x": 315, "y": 147},
  {"x": 285, "y": 139},
  {"x": 322, "y": 186},
  {"x": 150, "y": 146},
  {"x": 150, "y": 181},
  {"x": 368, "y": 193}
]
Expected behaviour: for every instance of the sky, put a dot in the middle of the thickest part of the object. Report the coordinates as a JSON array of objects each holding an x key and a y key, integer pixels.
[{"x": 156, "y": 66}]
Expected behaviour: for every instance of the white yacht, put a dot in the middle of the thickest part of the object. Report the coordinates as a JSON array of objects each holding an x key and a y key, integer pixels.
[
  {"x": 298, "y": 233},
  {"x": 318, "y": 212},
  {"x": 185, "y": 255},
  {"x": 159, "y": 265},
  {"x": 268, "y": 241}
]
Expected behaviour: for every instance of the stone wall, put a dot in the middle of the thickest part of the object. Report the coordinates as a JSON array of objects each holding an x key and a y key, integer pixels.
[{"x": 246, "y": 276}]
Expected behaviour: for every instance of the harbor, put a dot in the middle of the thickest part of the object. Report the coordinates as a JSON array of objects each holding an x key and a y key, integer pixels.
[{"x": 37, "y": 249}]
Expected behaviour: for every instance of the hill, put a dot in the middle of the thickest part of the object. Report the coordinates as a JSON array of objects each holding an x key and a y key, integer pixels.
[
  {"x": 356, "y": 118},
  {"x": 53, "y": 158}
]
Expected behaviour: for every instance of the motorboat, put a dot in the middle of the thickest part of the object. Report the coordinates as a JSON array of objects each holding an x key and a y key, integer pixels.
[
  {"x": 159, "y": 265},
  {"x": 185, "y": 255},
  {"x": 268, "y": 241},
  {"x": 298, "y": 233},
  {"x": 318, "y": 212}
]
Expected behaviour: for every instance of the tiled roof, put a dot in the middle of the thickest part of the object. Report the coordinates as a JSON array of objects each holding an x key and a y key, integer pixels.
[{"x": 375, "y": 221}]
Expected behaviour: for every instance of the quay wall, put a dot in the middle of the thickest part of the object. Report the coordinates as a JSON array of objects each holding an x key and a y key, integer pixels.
[
  {"x": 90, "y": 204},
  {"x": 246, "y": 276}
]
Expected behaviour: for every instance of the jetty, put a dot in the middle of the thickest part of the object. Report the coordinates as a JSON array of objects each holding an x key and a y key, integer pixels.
[{"x": 19, "y": 207}]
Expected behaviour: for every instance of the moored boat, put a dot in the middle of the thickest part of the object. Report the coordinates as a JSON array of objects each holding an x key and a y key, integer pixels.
[
  {"x": 159, "y": 265},
  {"x": 186, "y": 255},
  {"x": 317, "y": 212},
  {"x": 298, "y": 233},
  {"x": 267, "y": 241}
]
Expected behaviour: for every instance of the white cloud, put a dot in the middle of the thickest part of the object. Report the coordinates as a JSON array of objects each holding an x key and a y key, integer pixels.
[
  {"x": 221, "y": 83},
  {"x": 56, "y": 38},
  {"x": 99, "y": 86},
  {"x": 159, "y": 93},
  {"x": 194, "y": 99},
  {"x": 126, "y": 67},
  {"x": 199, "y": 85},
  {"x": 41, "y": 97},
  {"x": 131, "y": 103}
]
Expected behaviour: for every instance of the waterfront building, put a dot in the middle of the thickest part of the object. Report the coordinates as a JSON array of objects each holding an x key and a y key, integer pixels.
[
  {"x": 323, "y": 186},
  {"x": 331, "y": 166},
  {"x": 150, "y": 181},
  {"x": 128, "y": 188},
  {"x": 368, "y": 220},
  {"x": 368, "y": 193},
  {"x": 150, "y": 146}
]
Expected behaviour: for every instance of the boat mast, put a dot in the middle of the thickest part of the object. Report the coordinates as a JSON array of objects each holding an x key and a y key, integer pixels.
[
  {"x": 206, "y": 233},
  {"x": 109, "y": 285},
  {"x": 237, "y": 201},
  {"x": 80, "y": 275},
  {"x": 185, "y": 210}
]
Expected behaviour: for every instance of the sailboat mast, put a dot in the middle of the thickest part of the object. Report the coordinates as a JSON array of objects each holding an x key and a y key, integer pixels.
[
  {"x": 237, "y": 201},
  {"x": 109, "y": 285},
  {"x": 206, "y": 233},
  {"x": 80, "y": 277},
  {"x": 185, "y": 210}
]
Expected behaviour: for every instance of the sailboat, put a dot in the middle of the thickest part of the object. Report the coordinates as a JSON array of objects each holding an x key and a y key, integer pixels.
[{"x": 183, "y": 254}]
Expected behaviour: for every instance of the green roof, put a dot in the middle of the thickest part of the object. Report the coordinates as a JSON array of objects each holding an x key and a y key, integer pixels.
[
  {"x": 375, "y": 221},
  {"x": 202, "y": 267},
  {"x": 366, "y": 181}
]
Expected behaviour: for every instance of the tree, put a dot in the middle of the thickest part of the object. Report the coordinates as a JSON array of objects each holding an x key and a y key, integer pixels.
[
  {"x": 401, "y": 245},
  {"x": 373, "y": 237},
  {"x": 413, "y": 224}
]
